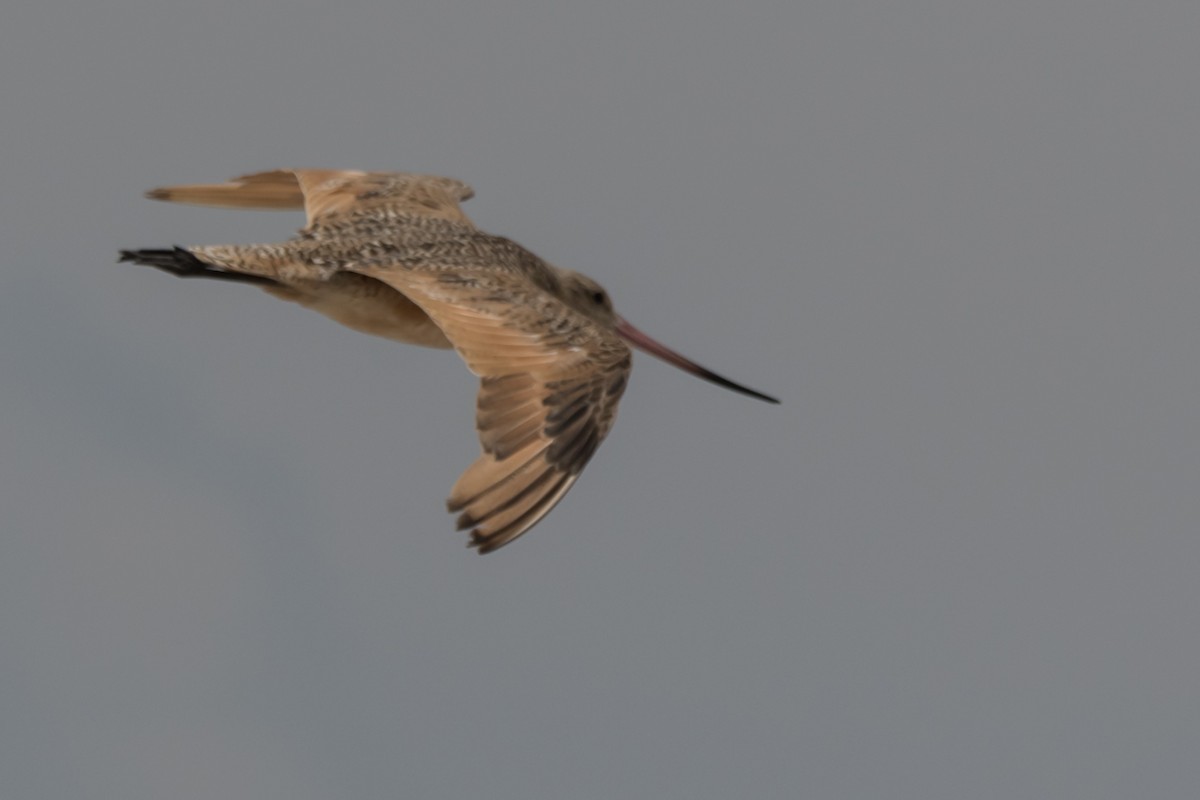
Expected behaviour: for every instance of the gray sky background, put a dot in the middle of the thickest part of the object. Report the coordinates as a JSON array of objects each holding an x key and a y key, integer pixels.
[{"x": 958, "y": 239}]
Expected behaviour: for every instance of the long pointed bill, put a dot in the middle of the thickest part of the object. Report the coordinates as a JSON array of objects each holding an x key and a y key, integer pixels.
[{"x": 648, "y": 345}]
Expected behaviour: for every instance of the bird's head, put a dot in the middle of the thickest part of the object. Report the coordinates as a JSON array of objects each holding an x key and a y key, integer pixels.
[{"x": 589, "y": 298}]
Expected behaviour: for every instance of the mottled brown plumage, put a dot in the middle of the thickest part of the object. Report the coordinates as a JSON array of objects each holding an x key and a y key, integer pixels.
[{"x": 393, "y": 255}]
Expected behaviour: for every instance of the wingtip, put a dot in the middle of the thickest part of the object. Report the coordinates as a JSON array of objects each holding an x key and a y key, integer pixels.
[
  {"x": 483, "y": 544},
  {"x": 157, "y": 194}
]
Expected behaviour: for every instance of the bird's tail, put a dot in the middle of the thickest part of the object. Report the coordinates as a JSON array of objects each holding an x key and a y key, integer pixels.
[{"x": 183, "y": 263}]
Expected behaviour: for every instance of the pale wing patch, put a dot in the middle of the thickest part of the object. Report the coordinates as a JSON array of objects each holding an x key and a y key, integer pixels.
[
  {"x": 277, "y": 189},
  {"x": 327, "y": 194}
]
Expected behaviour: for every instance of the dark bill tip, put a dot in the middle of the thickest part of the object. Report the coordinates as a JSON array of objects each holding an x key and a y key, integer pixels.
[{"x": 644, "y": 343}]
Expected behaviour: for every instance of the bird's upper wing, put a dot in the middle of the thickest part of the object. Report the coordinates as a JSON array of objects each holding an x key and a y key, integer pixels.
[
  {"x": 327, "y": 195},
  {"x": 551, "y": 379}
]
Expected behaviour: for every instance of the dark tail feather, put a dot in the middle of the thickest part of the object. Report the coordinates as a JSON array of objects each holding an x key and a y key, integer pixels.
[{"x": 184, "y": 264}]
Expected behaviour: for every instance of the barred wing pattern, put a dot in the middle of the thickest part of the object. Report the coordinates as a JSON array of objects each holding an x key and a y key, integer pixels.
[{"x": 548, "y": 396}]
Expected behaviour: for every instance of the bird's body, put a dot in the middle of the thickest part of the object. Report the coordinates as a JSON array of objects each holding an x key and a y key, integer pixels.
[{"x": 393, "y": 255}]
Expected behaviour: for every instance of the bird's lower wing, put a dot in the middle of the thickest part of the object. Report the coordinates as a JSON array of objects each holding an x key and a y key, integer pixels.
[{"x": 550, "y": 382}]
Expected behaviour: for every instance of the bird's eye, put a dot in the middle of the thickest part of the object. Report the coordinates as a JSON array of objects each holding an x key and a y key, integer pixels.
[{"x": 598, "y": 298}]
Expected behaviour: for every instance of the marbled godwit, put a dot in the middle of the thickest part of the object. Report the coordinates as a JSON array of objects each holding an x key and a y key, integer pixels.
[{"x": 392, "y": 254}]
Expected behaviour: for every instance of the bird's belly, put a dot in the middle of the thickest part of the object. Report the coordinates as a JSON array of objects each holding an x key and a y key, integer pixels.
[{"x": 367, "y": 306}]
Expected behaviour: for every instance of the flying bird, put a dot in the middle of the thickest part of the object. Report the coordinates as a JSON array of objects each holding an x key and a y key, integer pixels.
[{"x": 393, "y": 255}]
